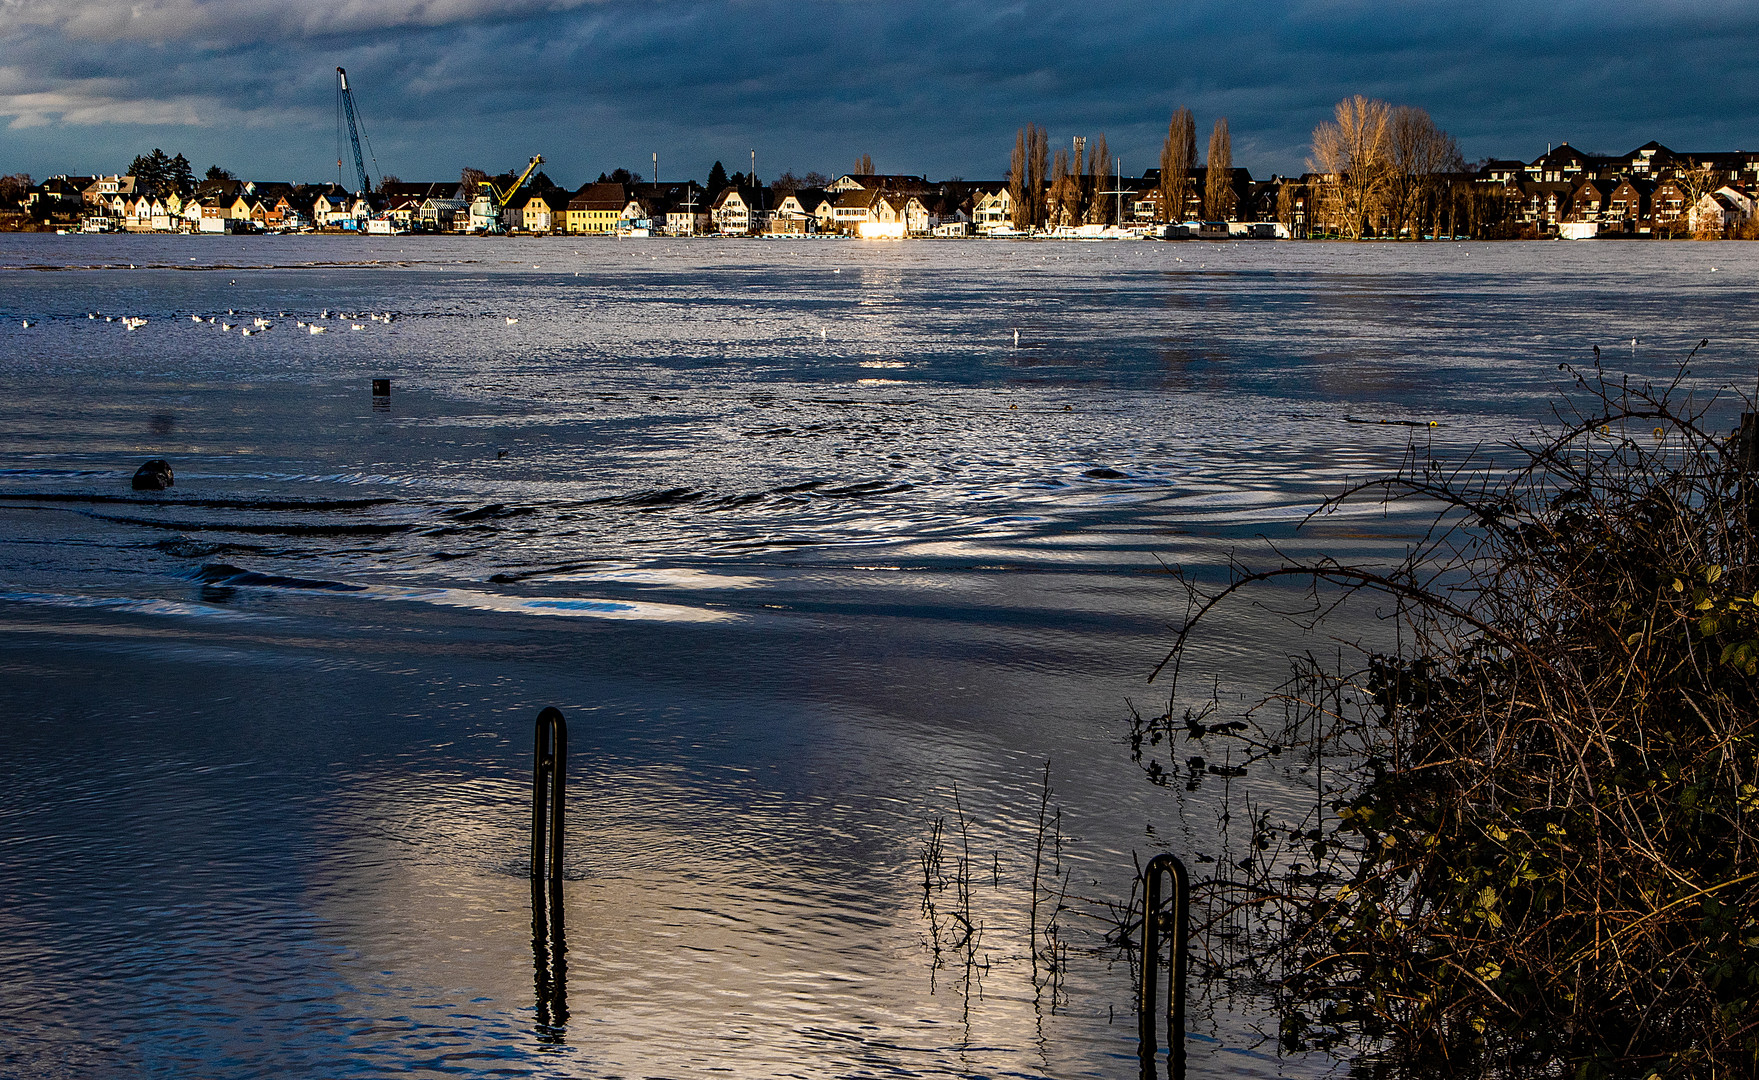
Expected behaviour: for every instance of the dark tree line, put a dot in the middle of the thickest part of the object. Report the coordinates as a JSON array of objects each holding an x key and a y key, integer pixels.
[{"x": 160, "y": 175}]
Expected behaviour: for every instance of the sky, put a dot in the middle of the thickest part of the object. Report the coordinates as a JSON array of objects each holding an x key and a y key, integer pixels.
[{"x": 936, "y": 88}]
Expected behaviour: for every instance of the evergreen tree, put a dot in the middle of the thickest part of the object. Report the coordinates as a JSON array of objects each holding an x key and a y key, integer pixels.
[
  {"x": 717, "y": 179},
  {"x": 151, "y": 172},
  {"x": 217, "y": 173},
  {"x": 181, "y": 176}
]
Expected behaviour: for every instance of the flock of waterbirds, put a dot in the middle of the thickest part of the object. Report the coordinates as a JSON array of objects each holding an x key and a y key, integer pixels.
[{"x": 258, "y": 324}]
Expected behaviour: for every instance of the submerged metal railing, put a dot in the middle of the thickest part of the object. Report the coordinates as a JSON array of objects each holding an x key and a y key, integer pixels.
[
  {"x": 548, "y": 779},
  {"x": 549, "y": 946},
  {"x": 1156, "y": 924}
]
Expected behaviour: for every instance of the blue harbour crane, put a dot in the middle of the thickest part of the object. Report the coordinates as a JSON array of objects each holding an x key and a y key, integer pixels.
[{"x": 345, "y": 109}]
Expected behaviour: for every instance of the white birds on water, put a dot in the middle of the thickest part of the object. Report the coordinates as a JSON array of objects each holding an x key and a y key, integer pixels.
[{"x": 257, "y": 324}]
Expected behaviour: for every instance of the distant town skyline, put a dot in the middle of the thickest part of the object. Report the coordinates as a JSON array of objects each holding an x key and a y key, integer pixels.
[{"x": 934, "y": 89}]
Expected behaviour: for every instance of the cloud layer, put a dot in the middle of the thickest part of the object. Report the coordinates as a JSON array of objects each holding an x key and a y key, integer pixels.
[{"x": 924, "y": 87}]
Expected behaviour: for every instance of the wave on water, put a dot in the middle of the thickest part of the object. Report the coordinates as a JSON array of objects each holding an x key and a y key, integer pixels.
[
  {"x": 226, "y": 576},
  {"x": 126, "y": 604}
]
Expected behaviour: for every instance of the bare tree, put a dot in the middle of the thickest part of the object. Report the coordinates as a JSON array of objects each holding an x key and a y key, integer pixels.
[
  {"x": 1036, "y": 182},
  {"x": 471, "y": 181},
  {"x": 1420, "y": 153},
  {"x": 1218, "y": 195},
  {"x": 1285, "y": 204},
  {"x": 14, "y": 188},
  {"x": 1021, "y": 209},
  {"x": 1099, "y": 172},
  {"x": 1178, "y": 156},
  {"x": 1353, "y": 158},
  {"x": 1065, "y": 192}
]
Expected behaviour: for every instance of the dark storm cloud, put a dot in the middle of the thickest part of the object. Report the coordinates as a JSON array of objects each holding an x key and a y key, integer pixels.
[{"x": 925, "y": 87}]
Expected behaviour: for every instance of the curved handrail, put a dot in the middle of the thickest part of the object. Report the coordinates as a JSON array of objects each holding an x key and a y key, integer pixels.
[{"x": 1154, "y": 923}]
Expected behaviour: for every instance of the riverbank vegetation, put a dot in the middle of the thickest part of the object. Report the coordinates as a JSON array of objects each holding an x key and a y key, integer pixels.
[{"x": 1532, "y": 846}]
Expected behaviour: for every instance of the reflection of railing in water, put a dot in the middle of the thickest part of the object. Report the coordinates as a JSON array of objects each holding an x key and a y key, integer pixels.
[
  {"x": 549, "y": 947},
  {"x": 1155, "y": 923},
  {"x": 549, "y": 952}
]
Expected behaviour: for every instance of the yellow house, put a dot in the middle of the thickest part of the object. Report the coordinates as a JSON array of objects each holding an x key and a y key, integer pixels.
[
  {"x": 597, "y": 208},
  {"x": 546, "y": 212}
]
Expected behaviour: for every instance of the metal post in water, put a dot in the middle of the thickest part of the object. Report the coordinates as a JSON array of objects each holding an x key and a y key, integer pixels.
[
  {"x": 549, "y": 774},
  {"x": 1154, "y": 923},
  {"x": 548, "y": 777}
]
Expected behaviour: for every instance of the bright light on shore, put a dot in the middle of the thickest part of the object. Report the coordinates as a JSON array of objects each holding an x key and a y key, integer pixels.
[{"x": 880, "y": 230}]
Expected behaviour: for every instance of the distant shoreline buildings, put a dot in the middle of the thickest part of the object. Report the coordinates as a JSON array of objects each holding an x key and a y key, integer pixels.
[{"x": 1650, "y": 192}]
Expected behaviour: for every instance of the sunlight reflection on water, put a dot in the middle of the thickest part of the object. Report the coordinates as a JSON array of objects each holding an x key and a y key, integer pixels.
[{"x": 832, "y": 544}]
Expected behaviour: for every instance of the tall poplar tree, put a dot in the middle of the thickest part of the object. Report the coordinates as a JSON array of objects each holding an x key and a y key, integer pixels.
[
  {"x": 1035, "y": 173},
  {"x": 1065, "y": 192},
  {"x": 1022, "y": 208},
  {"x": 1099, "y": 174},
  {"x": 1178, "y": 156},
  {"x": 1218, "y": 196}
]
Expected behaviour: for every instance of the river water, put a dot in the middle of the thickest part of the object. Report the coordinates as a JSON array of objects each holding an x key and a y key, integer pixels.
[{"x": 814, "y": 543}]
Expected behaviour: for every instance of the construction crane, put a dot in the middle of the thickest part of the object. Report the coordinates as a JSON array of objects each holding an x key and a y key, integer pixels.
[
  {"x": 345, "y": 108},
  {"x": 502, "y": 198}
]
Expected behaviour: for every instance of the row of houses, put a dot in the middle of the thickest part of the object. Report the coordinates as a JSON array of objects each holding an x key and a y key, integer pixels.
[
  {"x": 1651, "y": 190},
  {"x": 875, "y": 204}
]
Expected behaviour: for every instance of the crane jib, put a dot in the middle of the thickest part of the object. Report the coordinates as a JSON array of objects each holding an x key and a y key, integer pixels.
[{"x": 366, "y": 184}]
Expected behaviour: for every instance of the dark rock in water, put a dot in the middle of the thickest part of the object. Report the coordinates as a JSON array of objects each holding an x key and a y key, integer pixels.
[
  {"x": 155, "y": 475},
  {"x": 1104, "y": 474}
]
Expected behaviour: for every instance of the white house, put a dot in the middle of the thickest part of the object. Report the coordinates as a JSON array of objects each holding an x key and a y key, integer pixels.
[{"x": 994, "y": 210}]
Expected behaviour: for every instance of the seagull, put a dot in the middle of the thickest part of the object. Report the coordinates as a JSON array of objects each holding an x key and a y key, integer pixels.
[
  {"x": 195, "y": 318},
  {"x": 91, "y": 316},
  {"x": 226, "y": 326},
  {"x": 27, "y": 323},
  {"x": 315, "y": 329},
  {"x": 356, "y": 326},
  {"x": 247, "y": 331},
  {"x": 300, "y": 325},
  {"x": 511, "y": 320}
]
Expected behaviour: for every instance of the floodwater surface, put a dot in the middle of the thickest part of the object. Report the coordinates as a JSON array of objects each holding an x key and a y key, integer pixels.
[{"x": 814, "y": 543}]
